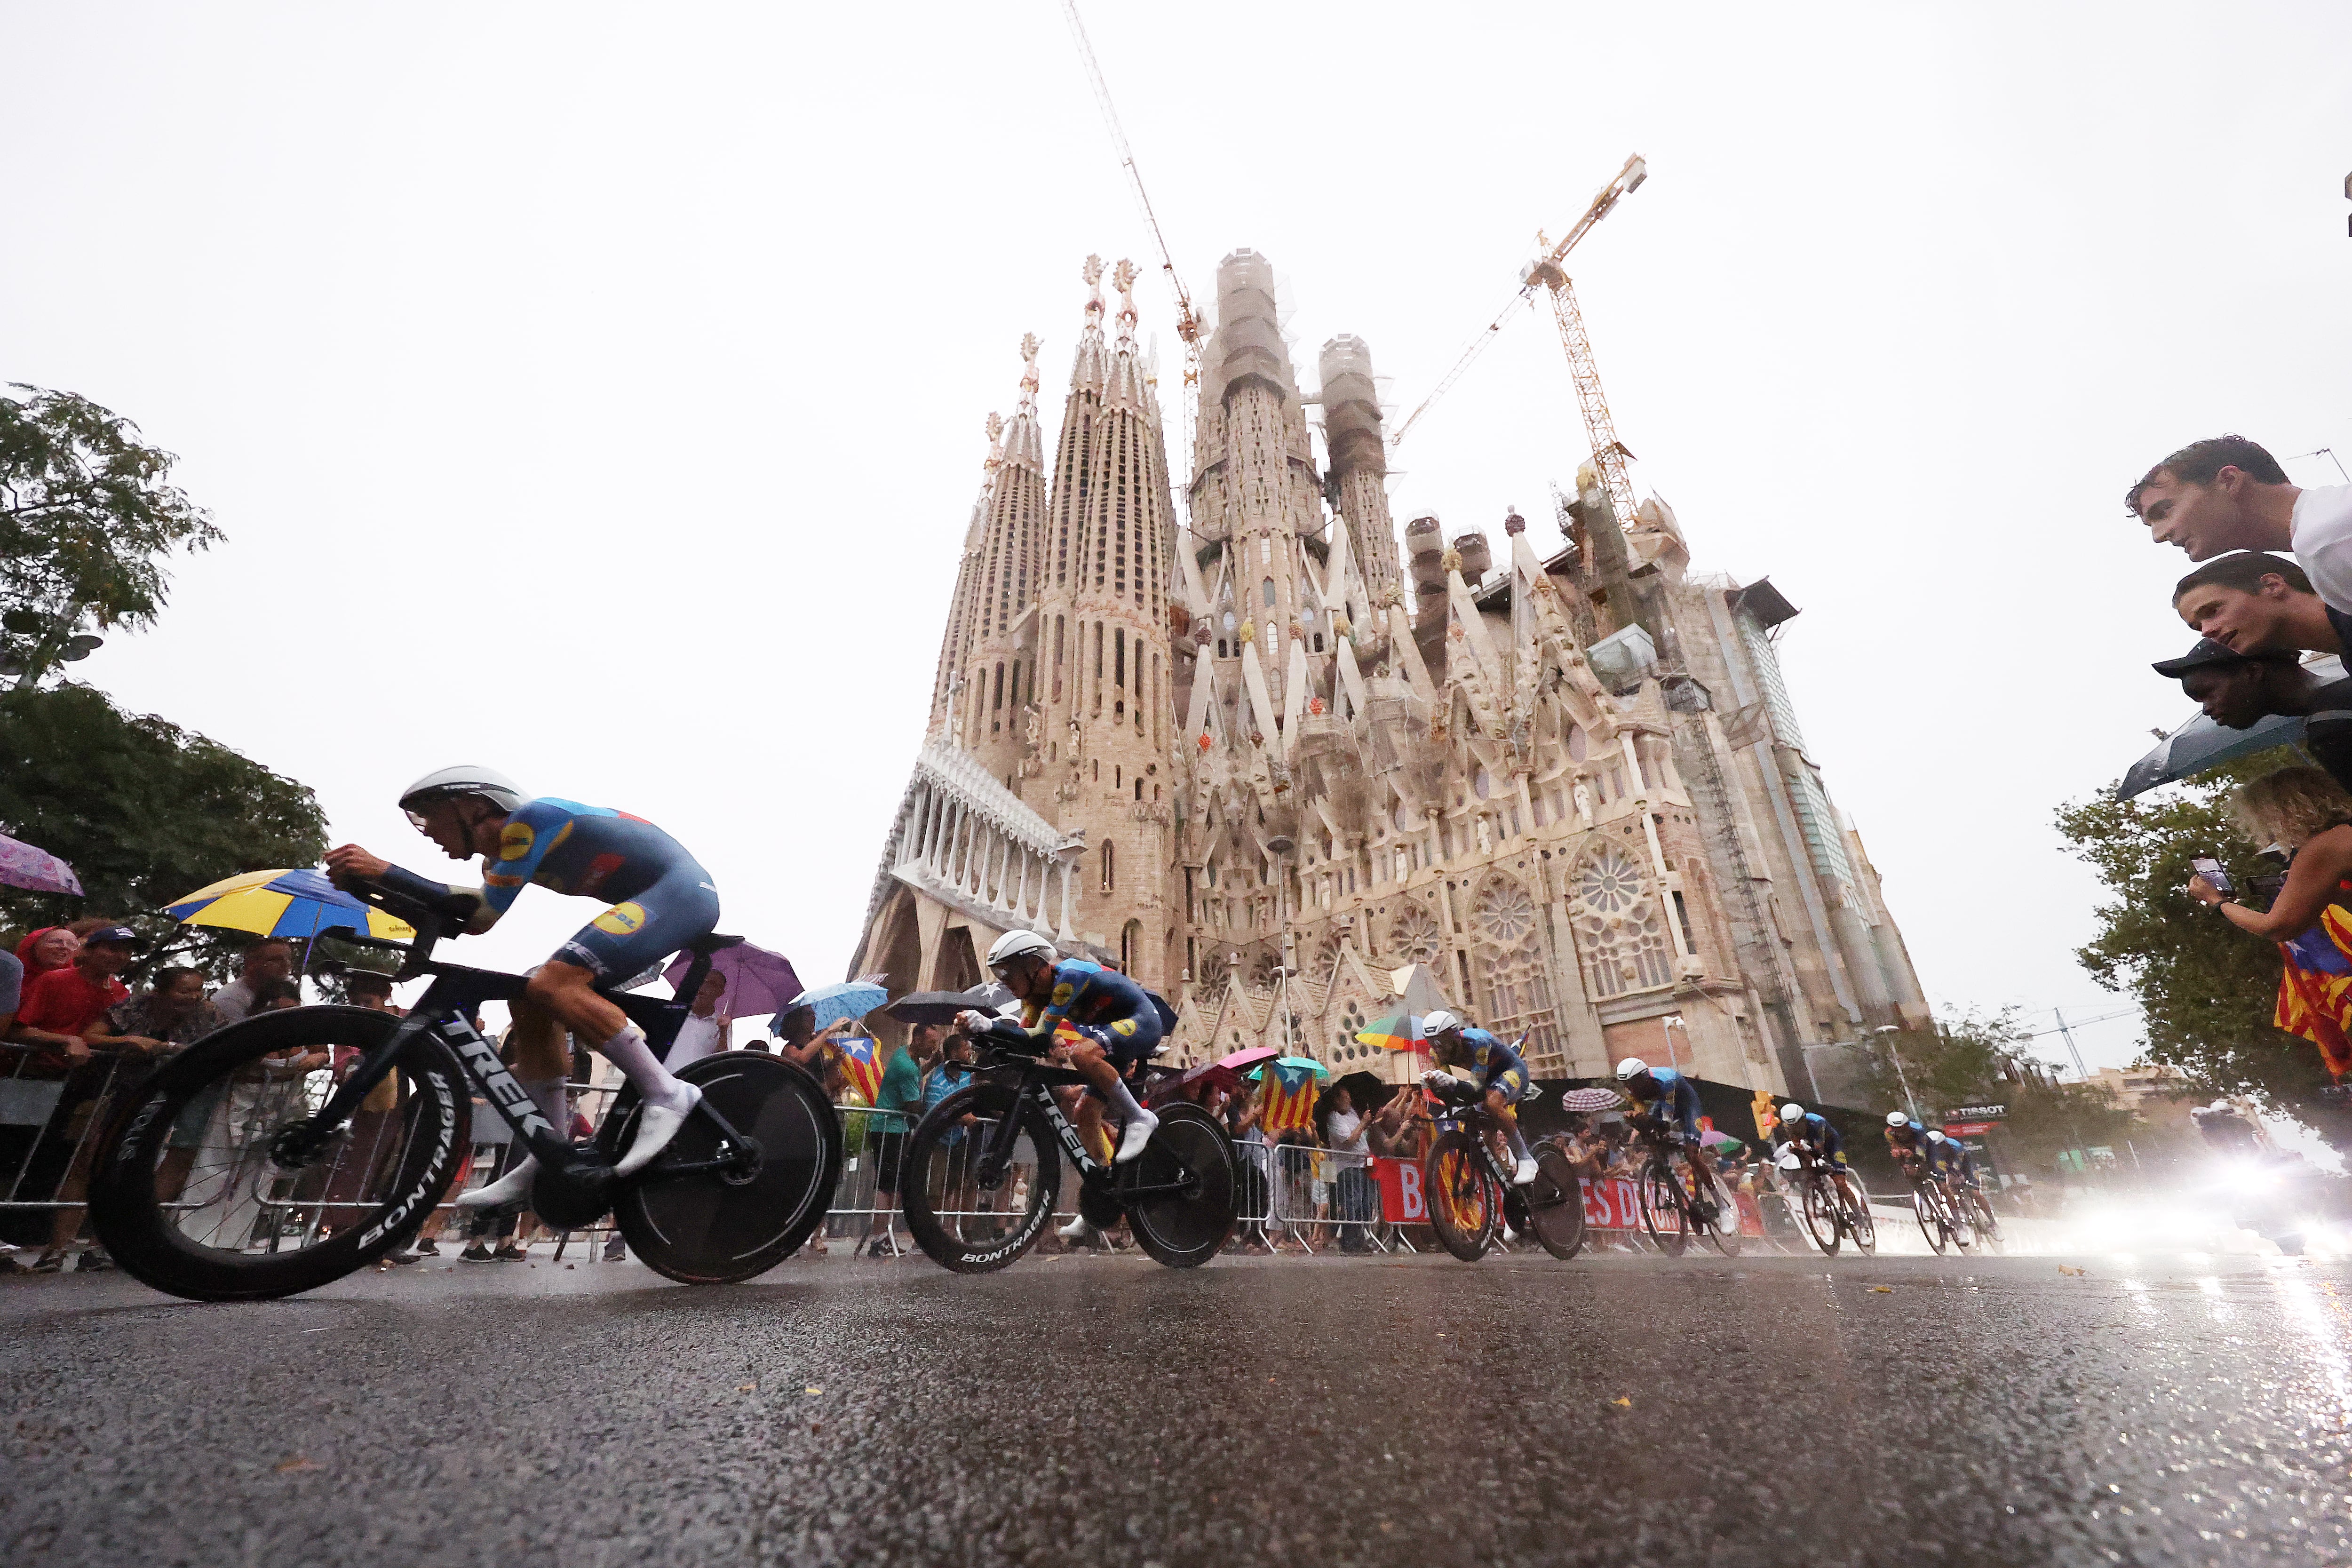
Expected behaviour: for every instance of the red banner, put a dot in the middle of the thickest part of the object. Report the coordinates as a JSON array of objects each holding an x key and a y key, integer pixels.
[{"x": 1400, "y": 1184}]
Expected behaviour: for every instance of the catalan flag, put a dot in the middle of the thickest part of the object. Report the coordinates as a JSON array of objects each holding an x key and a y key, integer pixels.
[
  {"x": 861, "y": 1061},
  {"x": 1290, "y": 1086}
]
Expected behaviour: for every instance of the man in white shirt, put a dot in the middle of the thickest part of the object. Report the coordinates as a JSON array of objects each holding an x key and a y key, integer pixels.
[
  {"x": 271, "y": 958},
  {"x": 2227, "y": 493}
]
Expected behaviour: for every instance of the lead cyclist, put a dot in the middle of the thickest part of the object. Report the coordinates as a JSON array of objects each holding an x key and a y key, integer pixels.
[{"x": 663, "y": 900}]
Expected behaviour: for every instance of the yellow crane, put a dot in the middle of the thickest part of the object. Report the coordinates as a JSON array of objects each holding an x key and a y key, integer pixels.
[
  {"x": 1188, "y": 320},
  {"x": 1545, "y": 272}
]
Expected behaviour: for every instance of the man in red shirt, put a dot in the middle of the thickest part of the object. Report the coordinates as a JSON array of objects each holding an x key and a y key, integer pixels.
[{"x": 59, "y": 1010}]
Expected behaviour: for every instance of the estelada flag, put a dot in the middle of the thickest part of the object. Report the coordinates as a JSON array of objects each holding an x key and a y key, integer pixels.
[
  {"x": 1289, "y": 1098},
  {"x": 861, "y": 1061}
]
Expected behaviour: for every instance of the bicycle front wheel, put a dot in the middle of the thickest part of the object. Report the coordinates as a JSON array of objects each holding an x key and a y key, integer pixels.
[
  {"x": 1662, "y": 1209},
  {"x": 1555, "y": 1204},
  {"x": 1722, "y": 1231},
  {"x": 715, "y": 1228},
  {"x": 1185, "y": 1211},
  {"x": 1859, "y": 1225},
  {"x": 1931, "y": 1219},
  {"x": 1821, "y": 1215},
  {"x": 1466, "y": 1203},
  {"x": 187, "y": 1192},
  {"x": 1987, "y": 1223},
  {"x": 967, "y": 1213}
]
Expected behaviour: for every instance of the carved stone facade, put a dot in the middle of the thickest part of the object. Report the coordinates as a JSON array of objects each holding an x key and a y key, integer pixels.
[{"x": 1279, "y": 761}]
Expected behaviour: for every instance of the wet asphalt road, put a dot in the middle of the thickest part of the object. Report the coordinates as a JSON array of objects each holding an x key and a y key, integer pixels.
[{"x": 1107, "y": 1411}]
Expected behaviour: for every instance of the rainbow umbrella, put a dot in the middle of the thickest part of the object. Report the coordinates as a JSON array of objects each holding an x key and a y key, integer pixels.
[
  {"x": 299, "y": 903},
  {"x": 1401, "y": 1033}
]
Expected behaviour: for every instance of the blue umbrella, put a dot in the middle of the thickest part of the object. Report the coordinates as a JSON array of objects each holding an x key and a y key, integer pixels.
[{"x": 845, "y": 999}]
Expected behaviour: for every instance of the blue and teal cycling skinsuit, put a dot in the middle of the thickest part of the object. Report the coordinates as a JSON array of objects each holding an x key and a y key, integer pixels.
[
  {"x": 1103, "y": 1005},
  {"x": 1950, "y": 1157},
  {"x": 662, "y": 899},
  {"x": 1496, "y": 1065},
  {"x": 1814, "y": 1129},
  {"x": 1676, "y": 1102}
]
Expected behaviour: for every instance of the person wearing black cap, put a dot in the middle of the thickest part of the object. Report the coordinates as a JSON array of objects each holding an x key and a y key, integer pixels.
[{"x": 2238, "y": 691}]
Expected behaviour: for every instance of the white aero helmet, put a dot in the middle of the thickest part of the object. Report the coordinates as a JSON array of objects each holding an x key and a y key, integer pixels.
[
  {"x": 465, "y": 779},
  {"x": 1631, "y": 1066},
  {"x": 1792, "y": 1111},
  {"x": 1934, "y": 1136},
  {"x": 1896, "y": 1119},
  {"x": 1014, "y": 944},
  {"x": 1439, "y": 1022}
]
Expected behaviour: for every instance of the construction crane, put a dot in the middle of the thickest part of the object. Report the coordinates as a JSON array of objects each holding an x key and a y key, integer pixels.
[
  {"x": 1545, "y": 272},
  {"x": 1188, "y": 320}
]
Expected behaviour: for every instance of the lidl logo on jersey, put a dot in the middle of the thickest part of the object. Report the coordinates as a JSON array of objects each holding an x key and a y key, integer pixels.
[
  {"x": 515, "y": 840},
  {"x": 621, "y": 919}
]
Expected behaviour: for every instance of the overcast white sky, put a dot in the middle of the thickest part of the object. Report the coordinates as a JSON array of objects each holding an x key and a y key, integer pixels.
[{"x": 597, "y": 392}]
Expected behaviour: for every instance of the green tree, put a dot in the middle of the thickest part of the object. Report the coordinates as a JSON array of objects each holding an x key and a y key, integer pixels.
[
  {"x": 2207, "y": 990},
  {"x": 144, "y": 811},
  {"x": 85, "y": 517}
]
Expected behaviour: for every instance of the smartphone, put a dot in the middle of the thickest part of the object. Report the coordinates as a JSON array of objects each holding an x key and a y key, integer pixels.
[{"x": 2211, "y": 869}]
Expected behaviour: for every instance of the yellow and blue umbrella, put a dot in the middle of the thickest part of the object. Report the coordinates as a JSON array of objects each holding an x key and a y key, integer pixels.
[{"x": 299, "y": 903}]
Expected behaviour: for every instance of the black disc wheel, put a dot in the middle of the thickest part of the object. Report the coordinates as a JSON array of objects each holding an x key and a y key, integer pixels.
[
  {"x": 716, "y": 1227},
  {"x": 1662, "y": 1212},
  {"x": 1721, "y": 1232},
  {"x": 1178, "y": 1192},
  {"x": 1931, "y": 1218},
  {"x": 1859, "y": 1225},
  {"x": 1821, "y": 1216},
  {"x": 1555, "y": 1204},
  {"x": 1465, "y": 1202},
  {"x": 202, "y": 1186},
  {"x": 1987, "y": 1223},
  {"x": 978, "y": 1179}
]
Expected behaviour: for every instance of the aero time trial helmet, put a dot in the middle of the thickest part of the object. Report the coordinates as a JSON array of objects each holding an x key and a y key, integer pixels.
[
  {"x": 1015, "y": 944},
  {"x": 1792, "y": 1111},
  {"x": 1631, "y": 1066},
  {"x": 1896, "y": 1119},
  {"x": 442, "y": 783},
  {"x": 1934, "y": 1136},
  {"x": 1440, "y": 1022}
]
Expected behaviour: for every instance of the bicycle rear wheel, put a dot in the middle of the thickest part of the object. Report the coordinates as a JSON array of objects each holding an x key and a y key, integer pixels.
[
  {"x": 1722, "y": 1231},
  {"x": 1466, "y": 1205},
  {"x": 965, "y": 1217},
  {"x": 1859, "y": 1225},
  {"x": 1182, "y": 1230},
  {"x": 1987, "y": 1223},
  {"x": 188, "y": 1193},
  {"x": 1662, "y": 1210},
  {"x": 1555, "y": 1204},
  {"x": 1821, "y": 1215},
  {"x": 715, "y": 1228}
]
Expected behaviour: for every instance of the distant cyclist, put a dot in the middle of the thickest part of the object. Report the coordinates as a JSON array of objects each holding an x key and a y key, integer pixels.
[
  {"x": 1958, "y": 1167},
  {"x": 1117, "y": 1019},
  {"x": 1810, "y": 1132},
  {"x": 662, "y": 901},
  {"x": 1666, "y": 1094},
  {"x": 1502, "y": 1073},
  {"x": 1907, "y": 1141}
]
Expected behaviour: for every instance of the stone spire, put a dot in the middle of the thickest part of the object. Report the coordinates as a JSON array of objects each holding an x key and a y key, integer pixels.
[
  {"x": 1102, "y": 638},
  {"x": 1351, "y": 433},
  {"x": 990, "y": 634}
]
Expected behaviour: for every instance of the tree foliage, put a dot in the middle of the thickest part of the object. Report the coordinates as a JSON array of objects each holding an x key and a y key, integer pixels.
[
  {"x": 144, "y": 811},
  {"x": 2209, "y": 990},
  {"x": 85, "y": 517}
]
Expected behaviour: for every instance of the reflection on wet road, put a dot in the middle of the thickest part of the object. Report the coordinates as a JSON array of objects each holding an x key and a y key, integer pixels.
[{"x": 1112, "y": 1412}]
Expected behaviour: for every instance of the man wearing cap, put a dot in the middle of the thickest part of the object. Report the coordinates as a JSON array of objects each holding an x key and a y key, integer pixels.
[
  {"x": 2238, "y": 691},
  {"x": 59, "y": 1010}
]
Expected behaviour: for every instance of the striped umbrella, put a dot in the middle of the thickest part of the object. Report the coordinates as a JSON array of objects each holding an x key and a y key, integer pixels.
[
  {"x": 296, "y": 904},
  {"x": 1401, "y": 1032}
]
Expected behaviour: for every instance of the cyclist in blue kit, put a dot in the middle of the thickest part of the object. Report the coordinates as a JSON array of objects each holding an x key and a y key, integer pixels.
[
  {"x": 1502, "y": 1073},
  {"x": 1117, "y": 1019},
  {"x": 661, "y": 900}
]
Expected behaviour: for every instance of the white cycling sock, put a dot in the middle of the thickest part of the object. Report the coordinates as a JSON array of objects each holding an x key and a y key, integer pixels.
[
  {"x": 547, "y": 1094},
  {"x": 1126, "y": 1102},
  {"x": 629, "y": 1051}
]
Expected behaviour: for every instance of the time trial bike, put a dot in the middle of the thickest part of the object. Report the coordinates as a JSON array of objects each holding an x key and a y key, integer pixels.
[
  {"x": 1941, "y": 1220},
  {"x": 1467, "y": 1185},
  {"x": 1831, "y": 1216},
  {"x": 1669, "y": 1188},
  {"x": 296, "y": 1147},
  {"x": 982, "y": 1168}
]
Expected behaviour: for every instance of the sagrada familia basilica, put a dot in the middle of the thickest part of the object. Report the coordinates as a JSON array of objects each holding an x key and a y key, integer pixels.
[{"x": 1293, "y": 772}]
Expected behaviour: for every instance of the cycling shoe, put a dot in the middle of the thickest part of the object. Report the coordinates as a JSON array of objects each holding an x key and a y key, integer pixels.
[
  {"x": 1139, "y": 1132},
  {"x": 511, "y": 1188},
  {"x": 1524, "y": 1174},
  {"x": 656, "y": 1125}
]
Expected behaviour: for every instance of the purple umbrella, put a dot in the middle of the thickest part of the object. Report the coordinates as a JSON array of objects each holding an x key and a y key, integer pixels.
[
  {"x": 757, "y": 981},
  {"x": 22, "y": 865}
]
